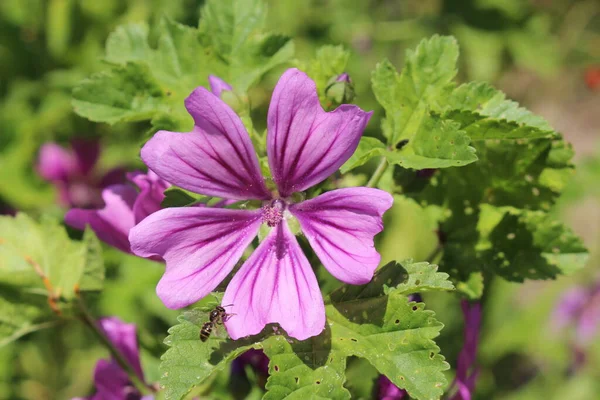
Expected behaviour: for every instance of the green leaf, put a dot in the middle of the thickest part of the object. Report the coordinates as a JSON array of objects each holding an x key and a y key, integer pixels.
[
  {"x": 329, "y": 62},
  {"x": 532, "y": 245},
  {"x": 368, "y": 147},
  {"x": 128, "y": 43},
  {"x": 423, "y": 277},
  {"x": 515, "y": 175},
  {"x": 437, "y": 144},
  {"x": 31, "y": 251},
  {"x": 370, "y": 321},
  {"x": 235, "y": 30},
  {"x": 309, "y": 369},
  {"x": 427, "y": 75},
  {"x": 393, "y": 334},
  {"x": 151, "y": 82},
  {"x": 189, "y": 361},
  {"x": 92, "y": 278},
  {"x": 177, "y": 197},
  {"x": 41, "y": 269},
  {"x": 21, "y": 314},
  {"x": 123, "y": 94},
  {"x": 472, "y": 287},
  {"x": 408, "y": 99},
  {"x": 484, "y": 113}
]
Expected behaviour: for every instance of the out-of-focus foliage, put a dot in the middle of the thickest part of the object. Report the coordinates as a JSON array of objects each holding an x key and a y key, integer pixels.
[{"x": 476, "y": 188}]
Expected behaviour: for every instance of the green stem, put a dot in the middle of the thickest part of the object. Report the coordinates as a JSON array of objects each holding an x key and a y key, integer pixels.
[
  {"x": 88, "y": 320},
  {"x": 378, "y": 173}
]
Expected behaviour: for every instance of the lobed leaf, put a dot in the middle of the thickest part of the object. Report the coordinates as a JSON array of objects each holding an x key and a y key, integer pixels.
[
  {"x": 235, "y": 30},
  {"x": 308, "y": 369},
  {"x": 329, "y": 62},
  {"x": 189, "y": 361},
  {"x": 426, "y": 76},
  {"x": 514, "y": 177},
  {"x": 532, "y": 245},
  {"x": 123, "y": 94},
  {"x": 149, "y": 82},
  {"x": 41, "y": 271},
  {"x": 408, "y": 99},
  {"x": 484, "y": 113},
  {"x": 423, "y": 277},
  {"x": 437, "y": 144},
  {"x": 370, "y": 321}
]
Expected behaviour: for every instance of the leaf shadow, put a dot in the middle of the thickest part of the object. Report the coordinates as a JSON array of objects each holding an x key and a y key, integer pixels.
[
  {"x": 229, "y": 347},
  {"x": 367, "y": 304}
]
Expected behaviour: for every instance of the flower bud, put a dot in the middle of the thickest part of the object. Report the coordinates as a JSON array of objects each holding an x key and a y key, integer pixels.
[
  {"x": 225, "y": 92},
  {"x": 218, "y": 85},
  {"x": 340, "y": 89}
]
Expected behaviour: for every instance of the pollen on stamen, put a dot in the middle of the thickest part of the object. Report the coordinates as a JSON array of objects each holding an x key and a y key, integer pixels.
[{"x": 272, "y": 213}]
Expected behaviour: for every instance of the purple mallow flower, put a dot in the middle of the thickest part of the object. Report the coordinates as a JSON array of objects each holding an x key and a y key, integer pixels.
[
  {"x": 386, "y": 390},
  {"x": 255, "y": 359},
  {"x": 466, "y": 372},
  {"x": 201, "y": 246},
  {"x": 73, "y": 172},
  {"x": 110, "y": 380},
  {"x": 579, "y": 307},
  {"x": 124, "y": 207}
]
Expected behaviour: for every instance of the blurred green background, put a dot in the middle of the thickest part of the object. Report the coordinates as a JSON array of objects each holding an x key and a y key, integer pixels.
[{"x": 542, "y": 53}]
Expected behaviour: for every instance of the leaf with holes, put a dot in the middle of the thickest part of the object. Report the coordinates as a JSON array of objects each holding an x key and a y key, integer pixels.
[
  {"x": 373, "y": 321},
  {"x": 423, "y": 277},
  {"x": 189, "y": 361},
  {"x": 438, "y": 143},
  {"x": 532, "y": 245},
  {"x": 392, "y": 333}
]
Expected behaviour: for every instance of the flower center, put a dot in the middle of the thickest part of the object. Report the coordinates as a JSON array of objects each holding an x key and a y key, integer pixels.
[{"x": 272, "y": 213}]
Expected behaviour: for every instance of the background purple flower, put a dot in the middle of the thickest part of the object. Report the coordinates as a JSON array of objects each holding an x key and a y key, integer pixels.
[
  {"x": 111, "y": 382},
  {"x": 579, "y": 307},
  {"x": 73, "y": 173},
  {"x": 255, "y": 359},
  {"x": 124, "y": 207},
  {"x": 386, "y": 390},
  {"x": 466, "y": 371},
  {"x": 201, "y": 246}
]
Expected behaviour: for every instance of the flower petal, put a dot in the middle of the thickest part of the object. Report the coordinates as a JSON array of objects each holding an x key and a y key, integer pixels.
[
  {"x": 110, "y": 380},
  {"x": 215, "y": 159},
  {"x": 589, "y": 321},
  {"x": 123, "y": 337},
  {"x": 200, "y": 245},
  {"x": 114, "y": 176},
  {"x": 340, "y": 226},
  {"x": 305, "y": 144},
  {"x": 111, "y": 223},
  {"x": 569, "y": 307},
  {"x": 276, "y": 284},
  {"x": 151, "y": 193},
  {"x": 86, "y": 153},
  {"x": 55, "y": 163}
]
